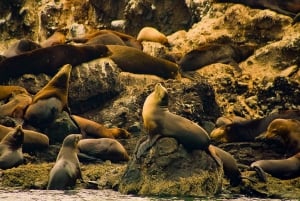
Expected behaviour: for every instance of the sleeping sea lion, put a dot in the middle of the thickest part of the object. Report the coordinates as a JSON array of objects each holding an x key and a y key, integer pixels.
[
  {"x": 6, "y": 91},
  {"x": 281, "y": 168},
  {"x": 93, "y": 129},
  {"x": 152, "y": 34},
  {"x": 132, "y": 60},
  {"x": 11, "y": 154},
  {"x": 55, "y": 39},
  {"x": 21, "y": 46},
  {"x": 66, "y": 170},
  {"x": 103, "y": 149},
  {"x": 248, "y": 130},
  {"x": 106, "y": 39},
  {"x": 48, "y": 60}
]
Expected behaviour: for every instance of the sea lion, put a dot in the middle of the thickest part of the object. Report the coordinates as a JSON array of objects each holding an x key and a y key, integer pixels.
[
  {"x": 11, "y": 154},
  {"x": 106, "y": 39},
  {"x": 103, "y": 149},
  {"x": 51, "y": 100},
  {"x": 66, "y": 169},
  {"x": 221, "y": 121},
  {"x": 288, "y": 130},
  {"x": 21, "y": 46},
  {"x": 216, "y": 53},
  {"x": 48, "y": 60},
  {"x": 55, "y": 39},
  {"x": 6, "y": 91},
  {"x": 152, "y": 34},
  {"x": 133, "y": 60},
  {"x": 93, "y": 129},
  {"x": 248, "y": 130},
  {"x": 33, "y": 140},
  {"x": 281, "y": 168}
]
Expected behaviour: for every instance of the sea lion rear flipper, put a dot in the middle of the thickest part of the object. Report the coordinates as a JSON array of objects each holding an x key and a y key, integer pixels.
[
  {"x": 260, "y": 173},
  {"x": 145, "y": 145}
]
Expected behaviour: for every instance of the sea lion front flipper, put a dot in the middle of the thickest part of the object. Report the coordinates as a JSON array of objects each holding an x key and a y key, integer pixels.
[
  {"x": 212, "y": 152},
  {"x": 260, "y": 173},
  {"x": 145, "y": 145}
]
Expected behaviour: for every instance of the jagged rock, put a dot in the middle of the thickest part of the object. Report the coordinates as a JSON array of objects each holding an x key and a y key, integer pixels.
[{"x": 167, "y": 169}]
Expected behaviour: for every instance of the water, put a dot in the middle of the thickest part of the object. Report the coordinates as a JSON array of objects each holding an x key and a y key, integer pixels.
[{"x": 99, "y": 195}]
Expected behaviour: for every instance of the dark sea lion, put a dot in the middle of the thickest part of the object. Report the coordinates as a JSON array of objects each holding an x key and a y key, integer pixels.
[
  {"x": 93, "y": 129},
  {"x": 55, "y": 39},
  {"x": 106, "y": 39},
  {"x": 290, "y": 7},
  {"x": 21, "y": 46},
  {"x": 250, "y": 129},
  {"x": 288, "y": 130},
  {"x": 51, "y": 100},
  {"x": 151, "y": 34},
  {"x": 48, "y": 60},
  {"x": 133, "y": 60},
  {"x": 103, "y": 149},
  {"x": 282, "y": 168},
  {"x": 215, "y": 53},
  {"x": 11, "y": 154},
  {"x": 33, "y": 140},
  {"x": 66, "y": 170}
]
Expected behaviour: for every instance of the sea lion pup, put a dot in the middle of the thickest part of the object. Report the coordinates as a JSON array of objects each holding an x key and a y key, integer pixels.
[
  {"x": 66, "y": 169},
  {"x": 21, "y": 46},
  {"x": 216, "y": 53},
  {"x": 132, "y": 60},
  {"x": 11, "y": 154},
  {"x": 152, "y": 34},
  {"x": 51, "y": 100},
  {"x": 48, "y": 60},
  {"x": 55, "y": 39},
  {"x": 282, "y": 168},
  {"x": 103, "y": 149},
  {"x": 33, "y": 140},
  {"x": 288, "y": 130},
  {"x": 93, "y": 129},
  {"x": 248, "y": 130}
]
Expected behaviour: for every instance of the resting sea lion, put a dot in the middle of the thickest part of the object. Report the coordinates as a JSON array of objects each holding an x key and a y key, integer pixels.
[
  {"x": 51, "y": 100},
  {"x": 21, "y": 46},
  {"x": 55, "y": 39},
  {"x": 106, "y": 39},
  {"x": 93, "y": 129},
  {"x": 11, "y": 154},
  {"x": 48, "y": 60},
  {"x": 248, "y": 130},
  {"x": 103, "y": 149},
  {"x": 67, "y": 168},
  {"x": 6, "y": 91},
  {"x": 33, "y": 140},
  {"x": 152, "y": 34},
  {"x": 132, "y": 60},
  {"x": 221, "y": 121},
  {"x": 215, "y": 53},
  {"x": 282, "y": 168}
]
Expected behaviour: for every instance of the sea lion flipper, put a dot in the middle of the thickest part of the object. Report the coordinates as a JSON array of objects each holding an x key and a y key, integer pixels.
[
  {"x": 260, "y": 173},
  {"x": 145, "y": 145},
  {"x": 87, "y": 158}
]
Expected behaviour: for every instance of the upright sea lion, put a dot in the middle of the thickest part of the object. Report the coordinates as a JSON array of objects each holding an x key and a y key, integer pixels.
[
  {"x": 55, "y": 39},
  {"x": 67, "y": 168},
  {"x": 133, "y": 60},
  {"x": 248, "y": 130},
  {"x": 93, "y": 129},
  {"x": 215, "y": 53},
  {"x": 282, "y": 168},
  {"x": 21, "y": 46},
  {"x": 288, "y": 130},
  {"x": 11, "y": 154},
  {"x": 51, "y": 100},
  {"x": 33, "y": 140},
  {"x": 103, "y": 149},
  {"x": 152, "y": 34},
  {"x": 48, "y": 60}
]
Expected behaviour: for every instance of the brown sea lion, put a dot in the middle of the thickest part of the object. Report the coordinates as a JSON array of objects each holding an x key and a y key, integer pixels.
[
  {"x": 6, "y": 91},
  {"x": 11, "y": 154},
  {"x": 250, "y": 129},
  {"x": 93, "y": 129},
  {"x": 21, "y": 46},
  {"x": 55, "y": 39},
  {"x": 221, "y": 121},
  {"x": 281, "y": 168},
  {"x": 288, "y": 130},
  {"x": 133, "y": 60},
  {"x": 215, "y": 53},
  {"x": 152, "y": 34},
  {"x": 48, "y": 60},
  {"x": 66, "y": 170},
  {"x": 33, "y": 140},
  {"x": 106, "y": 39},
  {"x": 103, "y": 149},
  {"x": 51, "y": 100}
]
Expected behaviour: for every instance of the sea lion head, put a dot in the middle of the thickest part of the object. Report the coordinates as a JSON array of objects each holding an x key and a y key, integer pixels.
[
  {"x": 72, "y": 140},
  {"x": 14, "y": 138},
  {"x": 219, "y": 134},
  {"x": 161, "y": 95},
  {"x": 278, "y": 127}
]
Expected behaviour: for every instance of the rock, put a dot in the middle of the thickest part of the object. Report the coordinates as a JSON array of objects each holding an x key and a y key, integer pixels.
[{"x": 167, "y": 169}]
